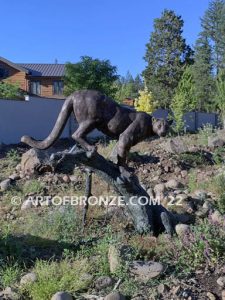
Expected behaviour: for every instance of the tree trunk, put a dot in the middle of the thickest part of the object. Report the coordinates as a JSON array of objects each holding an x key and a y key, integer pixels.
[{"x": 148, "y": 218}]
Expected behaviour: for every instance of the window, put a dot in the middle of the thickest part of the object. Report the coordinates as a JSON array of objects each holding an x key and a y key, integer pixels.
[
  {"x": 35, "y": 87},
  {"x": 4, "y": 73},
  {"x": 58, "y": 87}
]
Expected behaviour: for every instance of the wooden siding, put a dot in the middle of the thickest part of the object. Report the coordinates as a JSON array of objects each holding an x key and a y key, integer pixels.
[
  {"x": 47, "y": 86},
  {"x": 15, "y": 76}
]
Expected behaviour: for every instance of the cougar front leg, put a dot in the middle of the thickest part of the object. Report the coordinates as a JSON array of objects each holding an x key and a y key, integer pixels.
[{"x": 79, "y": 135}]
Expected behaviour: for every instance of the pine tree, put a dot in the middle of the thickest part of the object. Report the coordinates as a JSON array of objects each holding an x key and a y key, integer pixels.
[
  {"x": 213, "y": 24},
  {"x": 185, "y": 98},
  {"x": 145, "y": 102},
  {"x": 220, "y": 94},
  {"x": 203, "y": 73},
  {"x": 166, "y": 55}
]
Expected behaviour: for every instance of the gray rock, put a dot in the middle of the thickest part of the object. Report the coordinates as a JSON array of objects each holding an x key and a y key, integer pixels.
[
  {"x": 210, "y": 296},
  {"x": 162, "y": 288},
  {"x": 215, "y": 142},
  {"x": 176, "y": 145},
  {"x": 221, "y": 281},
  {"x": 103, "y": 282},
  {"x": 144, "y": 271},
  {"x": 117, "y": 255},
  {"x": 62, "y": 296},
  {"x": 10, "y": 293},
  {"x": 114, "y": 296},
  {"x": 27, "y": 204},
  {"x": 182, "y": 229},
  {"x": 34, "y": 161},
  {"x": 223, "y": 295},
  {"x": 28, "y": 278},
  {"x": 217, "y": 217},
  {"x": 200, "y": 194},
  {"x": 14, "y": 176},
  {"x": 159, "y": 188},
  {"x": 5, "y": 184},
  {"x": 173, "y": 184}
]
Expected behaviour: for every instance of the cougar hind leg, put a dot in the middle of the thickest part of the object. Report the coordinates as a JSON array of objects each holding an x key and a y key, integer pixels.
[{"x": 81, "y": 132}]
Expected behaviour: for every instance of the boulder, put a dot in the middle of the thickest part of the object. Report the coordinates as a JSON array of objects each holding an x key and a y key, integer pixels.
[
  {"x": 215, "y": 141},
  {"x": 182, "y": 229},
  {"x": 62, "y": 296},
  {"x": 221, "y": 281},
  {"x": 143, "y": 271},
  {"x": 173, "y": 184},
  {"x": 5, "y": 184},
  {"x": 176, "y": 145},
  {"x": 28, "y": 278},
  {"x": 114, "y": 296},
  {"x": 103, "y": 282},
  {"x": 35, "y": 161}
]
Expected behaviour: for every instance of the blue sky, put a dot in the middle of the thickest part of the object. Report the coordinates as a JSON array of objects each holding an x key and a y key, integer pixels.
[{"x": 45, "y": 30}]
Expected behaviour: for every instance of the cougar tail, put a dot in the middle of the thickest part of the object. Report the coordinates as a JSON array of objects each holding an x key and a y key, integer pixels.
[{"x": 56, "y": 131}]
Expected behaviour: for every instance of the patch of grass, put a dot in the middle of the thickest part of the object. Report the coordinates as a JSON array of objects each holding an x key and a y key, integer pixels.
[
  {"x": 33, "y": 187},
  {"x": 9, "y": 274},
  {"x": 219, "y": 155},
  {"x": 66, "y": 275},
  {"x": 62, "y": 224},
  {"x": 196, "y": 249},
  {"x": 13, "y": 158},
  {"x": 218, "y": 186},
  {"x": 194, "y": 159},
  {"x": 204, "y": 134}
]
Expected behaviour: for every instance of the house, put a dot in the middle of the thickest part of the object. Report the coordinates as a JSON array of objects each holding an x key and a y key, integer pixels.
[
  {"x": 128, "y": 102},
  {"x": 43, "y": 80}
]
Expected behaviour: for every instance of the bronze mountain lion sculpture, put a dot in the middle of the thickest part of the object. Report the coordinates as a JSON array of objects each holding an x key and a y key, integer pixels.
[{"x": 94, "y": 110}]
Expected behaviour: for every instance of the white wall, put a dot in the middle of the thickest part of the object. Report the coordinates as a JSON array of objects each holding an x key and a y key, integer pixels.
[{"x": 35, "y": 118}]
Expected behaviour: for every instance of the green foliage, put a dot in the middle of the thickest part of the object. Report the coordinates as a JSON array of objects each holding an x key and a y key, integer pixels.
[
  {"x": 128, "y": 87},
  {"x": 220, "y": 93},
  {"x": 213, "y": 24},
  {"x": 9, "y": 90},
  {"x": 9, "y": 274},
  {"x": 58, "y": 276},
  {"x": 218, "y": 186},
  {"x": 203, "y": 73},
  {"x": 33, "y": 187},
  {"x": 166, "y": 56},
  {"x": 145, "y": 102},
  {"x": 13, "y": 158},
  {"x": 219, "y": 155},
  {"x": 185, "y": 99},
  {"x": 59, "y": 224},
  {"x": 205, "y": 133},
  {"x": 91, "y": 73}
]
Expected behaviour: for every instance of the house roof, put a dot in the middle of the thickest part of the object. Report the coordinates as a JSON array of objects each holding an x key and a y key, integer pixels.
[
  {"x": 47, "y": 70},
  {"x": 15, "y": 66}
]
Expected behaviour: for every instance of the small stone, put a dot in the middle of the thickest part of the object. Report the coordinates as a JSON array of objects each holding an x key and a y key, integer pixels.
[
  {"x": 215, "y": 142},
  {"x": 144, "y": 271},
  {"x": 223, "y": 295},
  {"x": 162, "y": 288},
  {"x": 221, "y": 281},
  {"x": 210, "y": 296},
  {"x": 182, "y": 229},
  {"x": 27, "y": 204},
  {"x": 14, "y": 176},
  {"x": 114, "y": 258},
  {"x": 62, "y": 296},
  {"x": 173, "y": 184},
  {"x": 159, "y": 188},
  {"x": 184, "y": 173},
  {"x": 202, "y": 212},
  {"x": 66, "y": 179},
  {"x": 103, "y": 282},
  {"x": 200, "y": 194},
  {"x": 28, "y": 278},
  {"x": 5, "y": 184},
  {"x": 207, "y": 204},
  {"x": 114, "y": 296},
  {"x": 217, "y": 217}
]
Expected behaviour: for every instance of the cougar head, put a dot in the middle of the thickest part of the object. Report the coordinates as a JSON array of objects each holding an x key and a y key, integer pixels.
[{"x": 160, "y": 126}]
